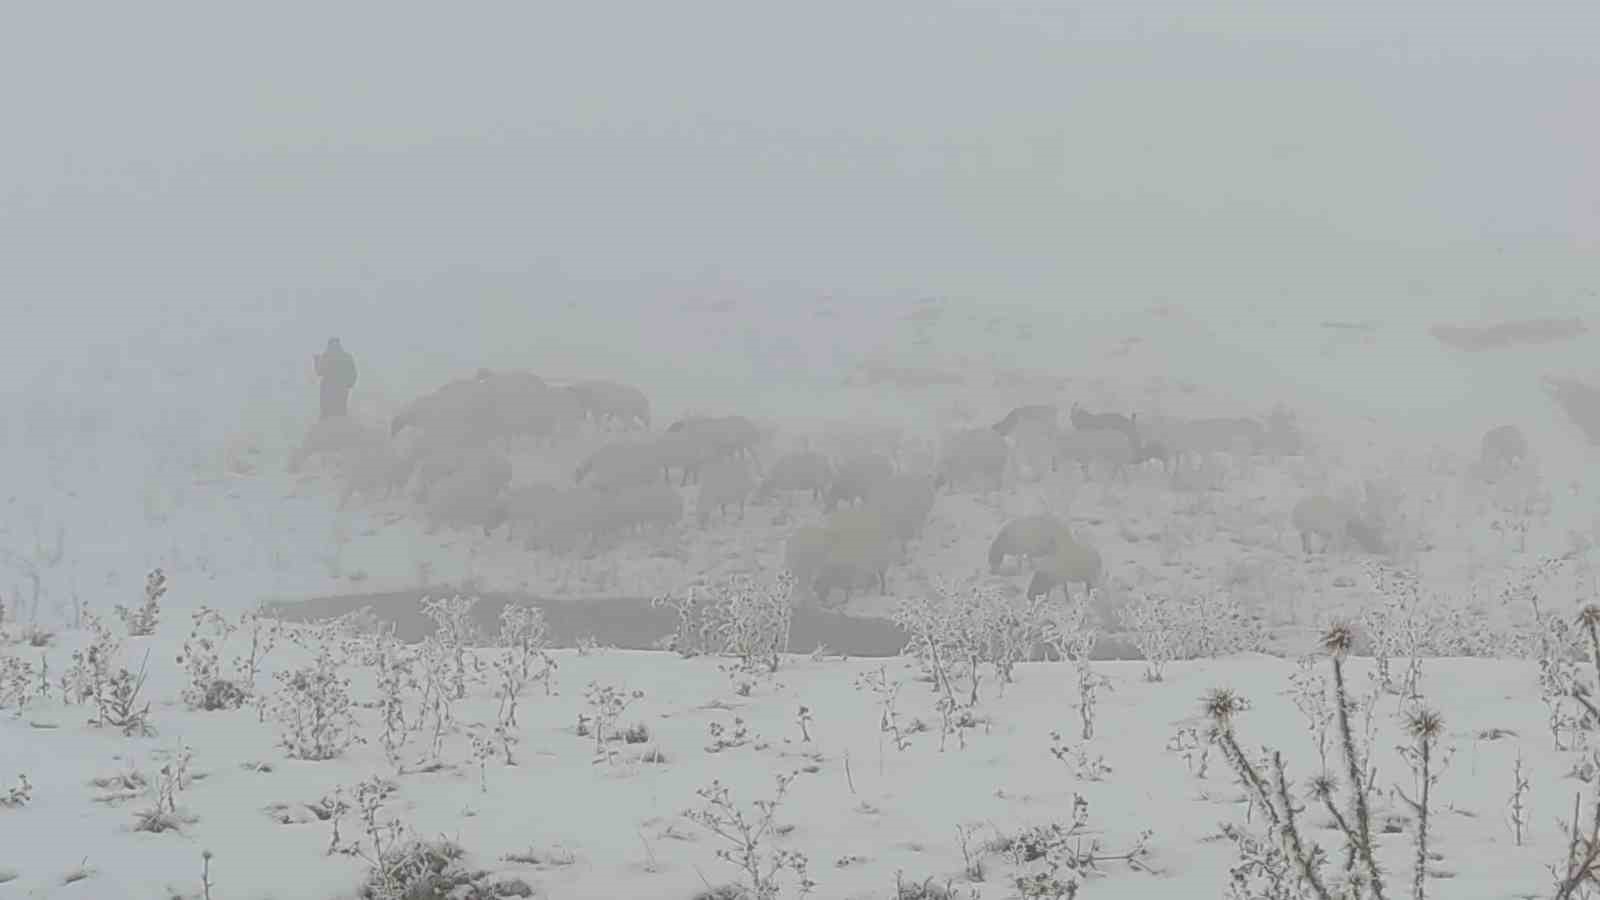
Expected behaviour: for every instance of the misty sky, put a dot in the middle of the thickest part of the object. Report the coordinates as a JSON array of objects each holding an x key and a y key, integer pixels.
[{"x": 220, "y": 157}]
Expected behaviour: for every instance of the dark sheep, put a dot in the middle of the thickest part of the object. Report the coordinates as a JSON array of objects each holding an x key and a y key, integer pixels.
[
  {"x": 686, "y": 451},
  {"x": 1338, "y": 524},
  {"x": 525, "y": 509},
  {"x": 1032, "y": 537},
  {"x": 619, "y": 465},
  {"x": 608, "y": 402},
  {"x": 724, "y": 483},
  {"x": 1091, "y": 447},
  {"x": 649, "y": 507},
  {"x": 904, "y": 502},
  {"x": 1084, "y": 420},
  {"x": 1044, "y": 413},
  {"x": 976, "y": 454},
  {"x": 732, "y": 435},
  {"x": 856, "y": 478},
  {"x": 805, "y": 470},
  {"x": 1503, "y": 448},
  {"x": 1073, "y": 562}
]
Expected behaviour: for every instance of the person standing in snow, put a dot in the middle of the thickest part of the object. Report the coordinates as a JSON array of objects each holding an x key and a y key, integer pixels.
[{"x": 337, "y": 369}]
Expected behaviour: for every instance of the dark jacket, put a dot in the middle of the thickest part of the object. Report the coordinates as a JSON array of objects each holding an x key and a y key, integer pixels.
[{"x": 337, "y": 368}]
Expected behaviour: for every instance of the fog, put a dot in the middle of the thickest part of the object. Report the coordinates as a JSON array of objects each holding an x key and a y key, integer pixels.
[{"x": 549, "y": 185}]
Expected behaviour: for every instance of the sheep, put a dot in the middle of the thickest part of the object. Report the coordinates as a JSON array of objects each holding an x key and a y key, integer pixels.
[
  {"x": 1201, "y": 438},
  {"x": 641, "y": 507},
  {"x": 464, "y": 407},
  {"x": 333, "y": 436},
  {"x": 723, "y": 483},
  {"x": 526, "y": 508},
  {"x": 804, "y": 470},
  {"x": 856, "y": 478},
  {"x": 469, "y": 497},
  {"x": 1502, "y": 448},
  {"x": 734, "y": 435},
  {"x": 1084, "y": 420},
  {"x": 571, "y": 520},
  {"x": 1096, "y": 446},
  {"x": 440, "y": 463},
  {"x": 1034, "y": 537},
  {"x": 1042, "y": 413},
  {"x": 904, "y": 503},
  {"x": 976, "y": 453},
  {"x": 859, "y": 548},
  {"x": 619, "y": 465},
  {"x": 375, "y": 470},
  {"x": 1034, "y": 446},
  {"x": 1073, "y": 562},
  {"x": 608, "y": 402},
  {"x": 523, "y": 405},
  {"x": 1335, "y": 522},
  {"x": 686, "y": 451}
]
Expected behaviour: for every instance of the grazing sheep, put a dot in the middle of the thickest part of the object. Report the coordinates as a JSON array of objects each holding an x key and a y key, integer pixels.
[
  {"x": 649, "y": 507},
  {"x": 608, "y": 402},
  {"x": 464, "y": 407},
  {"x": 571, "y": 521},
  {"x": 860, "y": 547},
  {"x": 332, "y": 436},
  {"x": 686, "y": 451},
  {"x": 904, "y": 503},
  {"x": 856, "y": 478},
  {"x": 440, "y": 463},
  {"x": 1091, "y": 447},
  {"x": 975, "y": 454},
  {"x": 803, "y": 556},
  {"x": 1335, "y": 522},
  {"x": 525, "y": 406},
  {"x": 1042, "y": 413},
  {"x": 723, "y": 483},
  {"x": 1073, "y": 562},
  {"x": 732, "y": 435},
  {"x": 1034, "y": 446},
  {"x": 463, "y": 499},
  {"x": 1032, "y": 537},
  {"x": 375, "y": 470},
  {"x": 619, "y": 465},
  {"x": 1201, "y": 438},
  {"x": 1502, "y": 449},
  {"x": 1083, "y": 420},
  {"x": 804, "y": 470},
  {"x": 525, "y": 509}
]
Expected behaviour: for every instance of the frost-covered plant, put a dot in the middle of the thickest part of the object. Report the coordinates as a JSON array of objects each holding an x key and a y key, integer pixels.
[
  {"x": 524, "y": 633},
  {"x": 394, "y": 677},
  {"x": 455, "y": 633},
  {"x": 264, "y": 632},
  {"x": 19, "y": 795},
  {"x": 737, "y": 615},
  {"x": 747, "y": 832},
  {"x": 608, "y": 704},
  {"x": 314, "y": 711},
  {"x": 91, "y": 665},
  {"x": 1309, "y": 689},
  {"x": 1425, "y": 727},
  {"x": 1055, "y": 857},
  {"x": 142, "y": 620},
  {"x": 1067, "y": 631},
  {"x": 201, "y": 658},
  {"x": 887, "y": 693},
  {"x": 17, "y": 679},
  {"x": 120, "y": 704}
]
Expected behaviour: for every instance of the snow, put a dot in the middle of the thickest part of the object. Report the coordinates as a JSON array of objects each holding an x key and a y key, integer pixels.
[{"x": 168, "y": 451}]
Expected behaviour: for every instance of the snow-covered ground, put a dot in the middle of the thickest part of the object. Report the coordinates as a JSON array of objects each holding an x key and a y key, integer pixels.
[{"x": 168, "y": 451}]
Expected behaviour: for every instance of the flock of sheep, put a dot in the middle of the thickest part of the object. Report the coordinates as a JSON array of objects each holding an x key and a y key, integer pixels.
[{"x": 452, "y": 448}]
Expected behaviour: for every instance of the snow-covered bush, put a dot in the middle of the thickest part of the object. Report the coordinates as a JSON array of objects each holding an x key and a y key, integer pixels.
[
  {"x": 314, "y": 711},
  {"x": 142, "y": 620}
]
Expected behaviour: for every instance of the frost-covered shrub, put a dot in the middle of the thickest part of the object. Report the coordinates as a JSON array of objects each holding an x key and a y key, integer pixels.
[
  {"x": 314, "y": 711},
  {"x": 142, "y": 620},
  {"x": 201, "y": 658},
  {"x": 737, "y": 616}
]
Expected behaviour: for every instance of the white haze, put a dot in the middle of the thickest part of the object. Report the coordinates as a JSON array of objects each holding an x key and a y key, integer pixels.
[{"x": 547, "y": 185}]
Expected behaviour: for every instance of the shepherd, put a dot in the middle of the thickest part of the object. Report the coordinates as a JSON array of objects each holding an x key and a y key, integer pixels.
[{"x": 337, "y": 369}]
